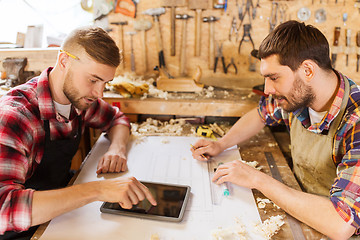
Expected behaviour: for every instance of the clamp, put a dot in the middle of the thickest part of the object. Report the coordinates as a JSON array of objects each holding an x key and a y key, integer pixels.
[
  {"x": 219, "y": 54},
  {"x": 247, "y": 28}
]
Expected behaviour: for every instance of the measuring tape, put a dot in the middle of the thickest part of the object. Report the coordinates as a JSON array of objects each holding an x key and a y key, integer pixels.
[{"x": 205, "y": 131}]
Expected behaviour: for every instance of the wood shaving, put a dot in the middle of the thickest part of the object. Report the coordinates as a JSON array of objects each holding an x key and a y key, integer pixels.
[
  {"x": 235, "y": 232},
  {"x": 253, "y": 164},
  {"x": 155, "y": 236},
  {"x": 174, "y": 127},
  {"x": 262, "y": 202},
  {"x": 207, "y": 92},
  {"x": 138, "y": 81},
  {"x": 270, "y": 226}
]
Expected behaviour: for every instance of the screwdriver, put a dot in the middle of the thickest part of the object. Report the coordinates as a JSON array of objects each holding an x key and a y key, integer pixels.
[
  {"x": 335, "y": 44},
  {"x": 358, "y": 52},
  {"x": 347, "y": 42}
]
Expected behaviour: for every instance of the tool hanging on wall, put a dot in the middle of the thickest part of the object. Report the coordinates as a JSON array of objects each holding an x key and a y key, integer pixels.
[
  {"x": 122, "y": 47},
  {"x": 231, "y": 64},
  {"x": 304, "y": 14},
  {"x": 240, "y": 8},
  {"x": 254, "y": 11},
  {"x": 347, "y": 44},
  {"x": 184, "y": 18},
  {"x": 132, "y": 55},
  {"x": 220, "y": 55},
  {"x": 335, "y": 49},
  {"x": 211, "y": 20},
  {"x": 198, "y": 6},
  {"x": 172, "y": 4},
  {"x": 320, "y": 15},
  {"x": 358, "y": 51},
  {"x": 155, "y": 13},
  {"x": 233, "y": 29},
  {"x": 126, "y": 7},
  {"x": 142, "y": 25},
  {"x": 252, "y": 64},
  {"x": 282, "y": 11},
  {"x": 273, "y": 15},
  {"x": 249, "y": 4},
  {"x": 247, "y": 28}
]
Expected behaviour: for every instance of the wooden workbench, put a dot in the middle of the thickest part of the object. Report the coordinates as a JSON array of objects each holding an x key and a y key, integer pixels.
[
  {"x": 234, "y": 104},
  {"x": 223, "y": 103},
  {"x": 254, "y": 150}
]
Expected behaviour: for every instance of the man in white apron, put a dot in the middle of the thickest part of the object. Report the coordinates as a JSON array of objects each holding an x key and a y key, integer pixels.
[{"x": 319, "y": 106}]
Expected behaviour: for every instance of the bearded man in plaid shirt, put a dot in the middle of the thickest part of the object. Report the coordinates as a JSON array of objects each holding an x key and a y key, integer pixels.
[{"x": 320, "y": 107}]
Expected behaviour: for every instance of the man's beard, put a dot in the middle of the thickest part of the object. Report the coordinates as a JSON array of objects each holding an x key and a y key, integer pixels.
[
  {"x": 72, "y": 94},
  {"x": 300, "y": 96}
]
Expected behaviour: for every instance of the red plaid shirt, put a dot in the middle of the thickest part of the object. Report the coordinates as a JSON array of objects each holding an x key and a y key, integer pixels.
[{"x": 22, "y": 113}]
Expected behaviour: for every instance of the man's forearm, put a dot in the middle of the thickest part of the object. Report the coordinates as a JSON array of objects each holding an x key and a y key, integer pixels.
[
  {"x": 316, "y": 211},
  {"x": 246, "y": 127},
  {"x": 119, "y": 136},
  {"x": 49, "y": 204}
]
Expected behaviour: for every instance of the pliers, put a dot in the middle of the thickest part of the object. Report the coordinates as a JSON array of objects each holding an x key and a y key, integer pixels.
[
  {"x": 232, "y": 63},
  {"x": 219, "y": 54},
  {"x": 247, "y": 28},
  {"x": 233, "y": 29}
]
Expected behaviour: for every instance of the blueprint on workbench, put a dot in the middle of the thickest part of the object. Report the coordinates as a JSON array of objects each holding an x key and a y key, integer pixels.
[{"x": 169, "y": 160}]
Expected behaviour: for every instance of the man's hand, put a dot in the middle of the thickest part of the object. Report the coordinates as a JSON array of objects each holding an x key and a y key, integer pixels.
[
  {"x": 236, "y": 172},
  {"x": 126, "y": 191},
  {"x": 112, "y": 161},
  {"x": 204, "y": 149}
]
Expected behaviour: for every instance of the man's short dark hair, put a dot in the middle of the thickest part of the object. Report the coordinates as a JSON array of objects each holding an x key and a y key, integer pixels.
[
  {"x": 96, "y": 42},
  {"x": 295, "y": 42}
]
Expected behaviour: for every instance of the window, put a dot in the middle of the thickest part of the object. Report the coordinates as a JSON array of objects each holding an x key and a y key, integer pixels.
[{"x": 57, "y": 17}]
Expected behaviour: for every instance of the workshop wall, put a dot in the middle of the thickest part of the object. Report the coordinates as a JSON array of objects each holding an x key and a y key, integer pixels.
[
  {"x": 333, "y": 11},
  {"x": 285, "y": 10}
]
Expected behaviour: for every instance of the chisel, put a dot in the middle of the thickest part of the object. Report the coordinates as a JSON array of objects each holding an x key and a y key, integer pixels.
[
  {"x": 358, "y": 52},
  {"x": 293, "y": 222},
  {"x": 347, "y": 42},
  {"x": 335, "y": 44}
]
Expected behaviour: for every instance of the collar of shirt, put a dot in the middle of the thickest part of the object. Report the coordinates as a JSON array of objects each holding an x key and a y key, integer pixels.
[
  {"x": 303, "y": 113},
  {"x": 46, "y": 105}
]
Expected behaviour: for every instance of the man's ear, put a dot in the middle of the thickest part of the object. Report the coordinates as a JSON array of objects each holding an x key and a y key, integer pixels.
[
  {"x": 63, "y": 60},
  {"x": 308, "y": 67}
]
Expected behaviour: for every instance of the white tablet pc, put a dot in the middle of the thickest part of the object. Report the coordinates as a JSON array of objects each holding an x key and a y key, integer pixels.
[{"x": 171, "y": 202}]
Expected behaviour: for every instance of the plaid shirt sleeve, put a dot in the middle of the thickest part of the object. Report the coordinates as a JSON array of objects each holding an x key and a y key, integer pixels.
[
  {"x": 104, "y": 116},
  {"x": 345, "y": 192},
  {"x": 15, "y": 201}
]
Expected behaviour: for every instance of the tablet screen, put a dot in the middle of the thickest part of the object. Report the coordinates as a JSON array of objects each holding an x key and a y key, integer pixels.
[{"x": 171, "y": 202}]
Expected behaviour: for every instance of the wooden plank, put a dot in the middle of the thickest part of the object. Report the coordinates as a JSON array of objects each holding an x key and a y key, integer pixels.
[{"x": 184, "y": 107}]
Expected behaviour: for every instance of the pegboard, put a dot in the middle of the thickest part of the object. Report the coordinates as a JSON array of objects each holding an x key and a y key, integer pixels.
[{"x": 286, "y": 10}]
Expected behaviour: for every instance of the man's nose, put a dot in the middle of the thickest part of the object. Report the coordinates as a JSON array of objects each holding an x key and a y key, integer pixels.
[
  {"x": 98, "y": 90},
  {"x": 269, "y": 87}
]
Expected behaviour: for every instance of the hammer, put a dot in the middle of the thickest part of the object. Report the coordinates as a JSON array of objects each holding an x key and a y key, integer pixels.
[
  {"x": 210, "y": 20},
  {"x": 122, "y": 47},
  {"x": 155, "y": 13},
  {"x": 132, "y": 50},
  {"x": 183, "y": 17}
]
